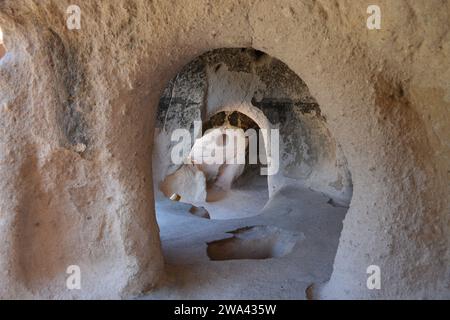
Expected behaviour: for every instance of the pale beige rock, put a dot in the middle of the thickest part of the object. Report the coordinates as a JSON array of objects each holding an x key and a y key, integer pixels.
[
  {"x": 188, "y": 182},
  {"x": 384, "y": 93}
]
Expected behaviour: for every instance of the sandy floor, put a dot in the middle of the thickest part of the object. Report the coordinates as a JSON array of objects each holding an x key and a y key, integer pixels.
[{"x": 292, "y": 244}]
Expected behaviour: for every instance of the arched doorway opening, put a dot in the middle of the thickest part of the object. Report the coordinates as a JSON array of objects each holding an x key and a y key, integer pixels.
[{"x": 289, "y": 219}]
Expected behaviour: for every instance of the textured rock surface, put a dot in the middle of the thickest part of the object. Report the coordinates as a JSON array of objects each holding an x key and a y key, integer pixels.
[
  {"x": 3, "y": 49},
  {"x": 251, "y": 81},
  {"x": 287, "y": 236},
  {"x": 188, "y": 182},
  {"x": 384, "y": 94}
]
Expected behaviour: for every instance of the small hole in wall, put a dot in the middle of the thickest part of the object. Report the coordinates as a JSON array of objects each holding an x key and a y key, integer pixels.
[
  {"x": 217, "y": 68},
  {"x": 2, "y": 45}
]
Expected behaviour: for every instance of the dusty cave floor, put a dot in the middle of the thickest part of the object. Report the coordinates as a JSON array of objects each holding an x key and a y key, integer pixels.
[{"x": 296, "y": 232}]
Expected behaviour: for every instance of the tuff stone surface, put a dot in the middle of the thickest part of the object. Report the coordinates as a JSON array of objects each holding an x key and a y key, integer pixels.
[{"x": 383, "y": 93}]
